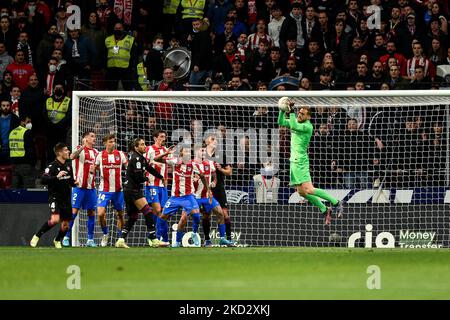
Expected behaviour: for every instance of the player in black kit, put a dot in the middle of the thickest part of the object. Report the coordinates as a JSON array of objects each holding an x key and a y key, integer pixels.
[
  {"x": 59, "y": 178},
  {"x": 218, "y": 191},
  {"x": 135, "y": 200}
]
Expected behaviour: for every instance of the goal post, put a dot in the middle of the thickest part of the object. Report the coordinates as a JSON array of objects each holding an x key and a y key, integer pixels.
[{"x": 386, "y": 154}]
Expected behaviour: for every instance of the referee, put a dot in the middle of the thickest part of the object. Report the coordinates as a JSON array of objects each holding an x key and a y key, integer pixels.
[{"x": 59, "y": 178}]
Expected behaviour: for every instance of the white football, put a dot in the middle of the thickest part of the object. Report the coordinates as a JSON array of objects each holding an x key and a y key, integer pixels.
[{"x": 283, "y": 104}]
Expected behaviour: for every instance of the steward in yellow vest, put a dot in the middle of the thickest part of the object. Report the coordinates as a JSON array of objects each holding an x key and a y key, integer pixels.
[
  {"x": 170, "y": 6},
  {"x": 143, "y": 82},
  {"x": 22, "y": 154},
  {"x": 192, "y": 9},
  {"x": 119, "y": 51},
  {"x": 17, "y": 142},
  {"x": 57, "y": 110},
  {"x": 57, "y": 115},
  {"x": 120, "y": 48}
]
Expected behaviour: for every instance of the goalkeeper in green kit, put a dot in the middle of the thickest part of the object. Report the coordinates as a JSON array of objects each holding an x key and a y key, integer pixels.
[{"x": 301, "y": 132}]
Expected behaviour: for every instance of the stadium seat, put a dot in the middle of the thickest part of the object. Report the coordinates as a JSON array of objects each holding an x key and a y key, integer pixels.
[{"x": 6, "y": 176}]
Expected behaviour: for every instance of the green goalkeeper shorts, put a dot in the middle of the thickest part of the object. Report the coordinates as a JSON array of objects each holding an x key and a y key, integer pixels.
[{"x": 299, "y": 173}]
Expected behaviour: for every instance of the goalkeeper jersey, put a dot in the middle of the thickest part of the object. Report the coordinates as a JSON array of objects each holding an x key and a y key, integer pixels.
[{"x": 301, "y": 133}]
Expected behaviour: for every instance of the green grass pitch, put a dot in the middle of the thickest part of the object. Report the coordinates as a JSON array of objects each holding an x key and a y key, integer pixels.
[{"x": 224, "y": 273}]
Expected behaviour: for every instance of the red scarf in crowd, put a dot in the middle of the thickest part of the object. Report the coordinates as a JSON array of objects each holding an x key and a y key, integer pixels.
[{"x": 123, "y": 9}]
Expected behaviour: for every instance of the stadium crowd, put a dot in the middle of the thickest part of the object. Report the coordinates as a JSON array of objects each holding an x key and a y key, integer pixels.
[{"x": 234, "y": 45}]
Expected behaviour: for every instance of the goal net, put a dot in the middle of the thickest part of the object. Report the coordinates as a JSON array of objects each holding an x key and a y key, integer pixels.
[{"x": 385, "y": 154}]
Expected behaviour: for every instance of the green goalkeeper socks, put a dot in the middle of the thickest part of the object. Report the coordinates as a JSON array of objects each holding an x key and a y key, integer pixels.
[
  {"x": 316, "y": 201},
  {"x": 324, "y": 195}
]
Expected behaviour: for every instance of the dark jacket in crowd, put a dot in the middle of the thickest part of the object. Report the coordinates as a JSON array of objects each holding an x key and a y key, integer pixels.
[{"x": 32, "y": 102}]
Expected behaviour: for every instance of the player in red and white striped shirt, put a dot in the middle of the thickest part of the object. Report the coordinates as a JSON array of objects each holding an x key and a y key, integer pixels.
[
  {"x": 184, "y": 171},
  {"x": 208, "y": 168},
  {"x": 155, "y": 189},
  {"x": 110, "y": 163},
  {"x": 183, "y": 178},
  {"x": 84, "y": 196}
]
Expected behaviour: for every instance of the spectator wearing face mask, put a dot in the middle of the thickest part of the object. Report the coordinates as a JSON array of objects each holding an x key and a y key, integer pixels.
[
  {"x": 4, "y": 12},
  {"x": 37, "y": 17},
  {"x": 52, "y": 76},
  {"x": 154, "y": 60},
  {"x": 62, "y": 68},
  {"x": 38, "y": 9}
]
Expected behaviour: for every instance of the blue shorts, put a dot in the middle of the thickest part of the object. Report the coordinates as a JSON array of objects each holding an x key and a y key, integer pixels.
[
  {"x": 186, "y": 203},
  {"x": 156, "y": 195},
  {"x": 208, "y": 206},
  {"x": 115, "y": 197},
  {"x": 84, "y": 198}
]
